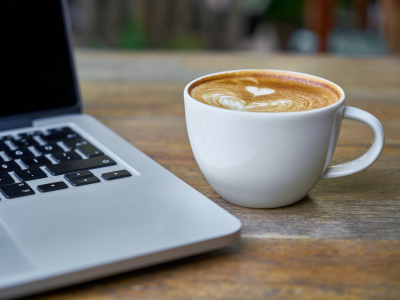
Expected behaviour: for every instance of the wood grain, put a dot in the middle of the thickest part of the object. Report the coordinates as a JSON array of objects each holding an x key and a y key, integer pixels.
[{"x": 342, "y": 241}]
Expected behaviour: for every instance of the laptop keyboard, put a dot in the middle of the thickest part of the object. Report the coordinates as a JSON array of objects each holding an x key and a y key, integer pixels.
[{"x": 37, "y": 155}]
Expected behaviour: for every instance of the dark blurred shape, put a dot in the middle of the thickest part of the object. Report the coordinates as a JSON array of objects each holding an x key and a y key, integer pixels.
[
  {"x": 341, "y": 27},
  {"x": 354, "y": 27},
  {"x": 391, "y": 23},
  {"x": 319, "y": 19}
]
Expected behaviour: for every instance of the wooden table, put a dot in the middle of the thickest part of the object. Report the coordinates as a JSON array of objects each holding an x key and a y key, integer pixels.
[{"x": 340, "y": 242}]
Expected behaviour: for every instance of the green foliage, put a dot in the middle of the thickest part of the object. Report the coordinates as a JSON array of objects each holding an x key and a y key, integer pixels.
[
  {"x": 185, "y": 41},
  {"x": 285, "y": 11},
  {"x": 133, "y": 34}
]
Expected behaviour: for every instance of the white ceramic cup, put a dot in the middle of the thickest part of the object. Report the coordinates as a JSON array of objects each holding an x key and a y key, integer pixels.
[{"x": 270, "y": 159}]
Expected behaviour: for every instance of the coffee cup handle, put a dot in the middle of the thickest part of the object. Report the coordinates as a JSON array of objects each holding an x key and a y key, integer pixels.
[{"x": 369, "y": 157}]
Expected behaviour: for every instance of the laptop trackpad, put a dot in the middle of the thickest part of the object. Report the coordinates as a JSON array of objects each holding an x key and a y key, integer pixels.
[{"x": 12, "y": 259}]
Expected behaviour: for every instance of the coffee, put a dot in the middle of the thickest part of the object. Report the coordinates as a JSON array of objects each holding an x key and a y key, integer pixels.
[{"x": 265, "y": 91}]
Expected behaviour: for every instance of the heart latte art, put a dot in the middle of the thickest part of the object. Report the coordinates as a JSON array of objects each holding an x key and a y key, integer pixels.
[{"x": 264, "y": 91}]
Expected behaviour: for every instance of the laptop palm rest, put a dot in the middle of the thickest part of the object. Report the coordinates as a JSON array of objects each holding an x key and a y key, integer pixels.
[
  {"x": 12, "y": 259},
  {"x": 71, "y": 233}
]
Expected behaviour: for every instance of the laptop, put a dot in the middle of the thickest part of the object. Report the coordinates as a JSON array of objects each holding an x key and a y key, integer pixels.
[{"x": 77, "y": 201}]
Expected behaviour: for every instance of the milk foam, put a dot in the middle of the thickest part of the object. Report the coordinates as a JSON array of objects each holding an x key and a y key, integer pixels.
[
  {"x": 224, "y": 99},
  {"x": 270, "y": 105},
  {"x": 260, "y": 91},
  {"x": 234, "y": 103},
  {"x": 256, "y": 91}
]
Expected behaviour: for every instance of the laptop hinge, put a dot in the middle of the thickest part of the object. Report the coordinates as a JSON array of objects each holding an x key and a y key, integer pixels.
[{"x": 15, "y": 122}]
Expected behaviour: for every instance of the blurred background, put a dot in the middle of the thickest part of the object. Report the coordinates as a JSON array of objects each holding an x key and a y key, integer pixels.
[{"x": 340, "y": 27}]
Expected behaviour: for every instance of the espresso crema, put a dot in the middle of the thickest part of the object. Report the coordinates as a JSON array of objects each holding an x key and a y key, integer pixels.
[{"x": 264, "y": 91}]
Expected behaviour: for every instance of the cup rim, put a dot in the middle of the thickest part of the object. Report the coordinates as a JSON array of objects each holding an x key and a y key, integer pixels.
[{"x": 338, "y": 103}]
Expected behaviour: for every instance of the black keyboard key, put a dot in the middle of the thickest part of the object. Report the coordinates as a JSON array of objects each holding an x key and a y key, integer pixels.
[
  {"x": 6, "y": 138},
  {"x": 60, "y": 130},
  {"x": 65, "y": 156},
  {"x": 4, "y": 146},
  {"x": 116, "y": 175},
  {"x": 49, "y": 148},
  {"x": 59, "y": 134},
  {"x": 32, "y": 173},
  {"x": 35, "y": 161},
  {"x": 30, "y": 134},
  {"x": 5, "y": 178},
  {"x": 50, "y": 187},
  {"x": 79, "y": 181},
  {"x": 88, "y": 149},
  {"x": 9, "y": 166},
  {"x": 80, "y": 165},
  {"x": 81, "y": 174},
  {"x": 19, "y": 153},
  {"x": 84, "y": 146},
  {"x": 73, "y": 143},
  {"x": 16, "y": 190},
  {"x": 25, "y": 142}
]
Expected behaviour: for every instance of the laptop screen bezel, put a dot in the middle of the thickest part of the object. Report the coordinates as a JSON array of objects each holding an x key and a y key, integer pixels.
[{"x": 26, "y": 118}]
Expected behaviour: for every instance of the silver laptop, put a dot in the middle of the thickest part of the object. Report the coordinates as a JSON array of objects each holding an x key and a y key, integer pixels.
[{"x": 78, "y": 202}]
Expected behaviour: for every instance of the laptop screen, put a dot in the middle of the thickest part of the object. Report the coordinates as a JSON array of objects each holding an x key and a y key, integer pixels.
[{"x": 39, "y": 76}]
